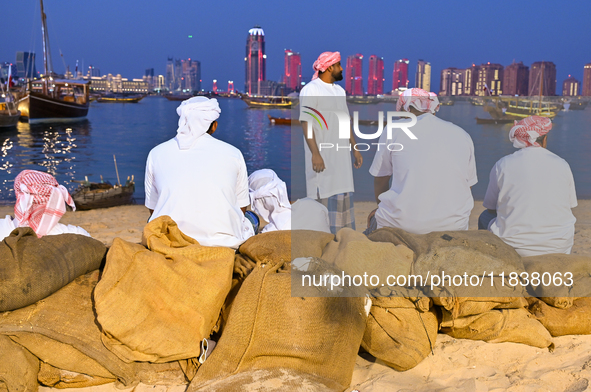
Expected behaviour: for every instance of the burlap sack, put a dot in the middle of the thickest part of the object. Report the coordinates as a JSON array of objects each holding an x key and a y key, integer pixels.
[
  {"x": 157, "y": 304},
  {"x": 553, "y": 286},
  {"x": 399, "y": 332},
  {"x": 18, "y": 367},
  {"x": 61, "y": 330},
  {"x": 462, "y": 253},
  {"x": 50, "y": 376},
  {"x": 575, "y": 320},
  {"x": 308, "y": 243},
  {"x": 497, "y": 326},
  {"x": 33, "y": 268},
  {"x": 269, "y": 329},
  {"x": 353, "y": 253}
]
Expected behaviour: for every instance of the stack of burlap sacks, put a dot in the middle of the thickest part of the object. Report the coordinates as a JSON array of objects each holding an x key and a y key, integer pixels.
[{"x": 146, "y": 317}]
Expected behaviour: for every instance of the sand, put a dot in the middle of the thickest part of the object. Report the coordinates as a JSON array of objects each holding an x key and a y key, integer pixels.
[{"x": 456, "y": 365}]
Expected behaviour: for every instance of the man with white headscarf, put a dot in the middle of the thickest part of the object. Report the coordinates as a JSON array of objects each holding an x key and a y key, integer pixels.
[
  {"x": 40, "y": 203},
  {"x": 329, "y": 172},
  {"x": 268, "y": 199},
  {"x": 431, "y": 176},
  {"x": 530, "y": 194},
  {"x": 199, "y": 181}
]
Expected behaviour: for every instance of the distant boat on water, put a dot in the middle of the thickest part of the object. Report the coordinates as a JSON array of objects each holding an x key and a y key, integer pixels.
[
  {"x": 9, "y": 114},
  {"x": 269, "y": 102},
  {"x": 120, "y": 98},
  {"x": 51, "y": 99}
]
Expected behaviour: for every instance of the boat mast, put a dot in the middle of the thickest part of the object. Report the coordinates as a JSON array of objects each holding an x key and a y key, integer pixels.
[
  {"x": 541, "y": 89},
  {"x": 46, "y": 50}
]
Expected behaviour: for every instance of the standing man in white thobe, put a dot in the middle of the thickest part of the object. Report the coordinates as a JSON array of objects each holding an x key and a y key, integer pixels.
[{"x": 328, "y": 163}]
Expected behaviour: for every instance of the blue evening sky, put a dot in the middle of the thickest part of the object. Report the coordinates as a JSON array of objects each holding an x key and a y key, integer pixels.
[{"x": 127, "y": 36}]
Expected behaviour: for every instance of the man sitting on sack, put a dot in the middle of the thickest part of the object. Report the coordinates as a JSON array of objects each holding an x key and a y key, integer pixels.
[
  {"x": 431, "y": 176},
  {"x": 40, "y": 203},
  {"x": 530, "y": 194},
  {"x": 199, "y": 181}
]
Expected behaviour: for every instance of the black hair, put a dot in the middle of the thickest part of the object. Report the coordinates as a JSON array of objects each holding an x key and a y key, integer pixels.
[{"x": 540, "y": 139}]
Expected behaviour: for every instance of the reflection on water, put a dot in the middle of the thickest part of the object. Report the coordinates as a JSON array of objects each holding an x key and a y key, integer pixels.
[{"x": 51, "y": 148}]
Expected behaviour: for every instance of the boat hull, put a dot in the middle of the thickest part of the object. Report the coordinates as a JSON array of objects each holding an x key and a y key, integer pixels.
[
  {"x": 87, "y": 199},
  {"x": 41, "y": 108},
  {"x": 9, "y": 120}
]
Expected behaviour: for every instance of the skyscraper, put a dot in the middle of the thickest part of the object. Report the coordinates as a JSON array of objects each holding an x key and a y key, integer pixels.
[
  {"x": 587, "y": 80},
  {"x": 292, "y": 75},
  {"x": 170, "y": 76},
  {"x": 25, "y": 65},
  {"x": 375, "y": 82},
  {"x": 470, "y": 80},
  {"x": 548, "y": 70},
  {"x": 400, "y": 74},
  {"x": 490, "y": 77},
  {"x": 570, "y": 87},
  {"x": 354, "y": 72},
  {"x": 255, "y": 61},
  {"x": 423, "y": 76},
  {"x": 191, "y": 75},
  {"x": 452, "y": 82},
  {"x": 515, "y": 79}
]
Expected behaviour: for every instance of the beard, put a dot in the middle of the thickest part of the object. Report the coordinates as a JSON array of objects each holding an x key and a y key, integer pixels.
[{"x": 338, "y": 76}]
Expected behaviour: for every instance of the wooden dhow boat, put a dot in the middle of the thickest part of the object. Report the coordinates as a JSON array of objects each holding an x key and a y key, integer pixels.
[
  {"x": 120, "y": 98},
  {"x": 91, "y": 195},
  {"x": 269, "y": 102}
]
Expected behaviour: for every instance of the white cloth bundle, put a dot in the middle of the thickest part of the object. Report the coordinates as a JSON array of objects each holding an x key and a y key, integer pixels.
[
  {"x": 308, "y": 214},
  {"x": 268, "y": 198}
]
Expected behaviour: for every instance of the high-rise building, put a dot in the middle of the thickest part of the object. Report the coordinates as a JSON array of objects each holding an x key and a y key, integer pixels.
[
  {"x": 255, "y": 61},
  {"x": 544, "y": 73},
  {"x": 375, "y": 80},
  {"x": 587, "y": 80},
  {"x": 515, "y": 79},
  {"x": 231, "y": 86},
  {"x": 190, "y": 75},
  {"x": 215, "y": 86},
  {"x": 25, "y": 65},
  {"x": 452, "y": 82},
  {"x": 470, "y": 80},
  {"x": 93, "y": 71},
  {"x": 490, "y": 77},
  {"x": 354, "y": 72},
  {"x": 170, "y": 75},
  {"x": 423, "y": 75},
  {"x": 570, "y": 87},
  {"x": 292, "y": 75},
  {"x": 400, "y": 74}
]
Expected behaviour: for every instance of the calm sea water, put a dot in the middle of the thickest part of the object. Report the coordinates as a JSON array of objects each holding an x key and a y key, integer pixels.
[{"x": 129, "y": 131}]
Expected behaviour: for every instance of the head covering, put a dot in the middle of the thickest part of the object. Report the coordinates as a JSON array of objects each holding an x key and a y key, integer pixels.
[
  {"x": 525, "y": 132},
  {"x": 268, "y": 198},
  {"x": 418, "y": 98},
  {"x": 40, "y": 201},
  {"x": 324, "y": 61},
  {"x": 195, "y": 116},
  {"x": 309, "y": 214}
]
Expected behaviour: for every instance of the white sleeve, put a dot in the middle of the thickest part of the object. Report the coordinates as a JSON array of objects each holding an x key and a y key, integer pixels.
[
  {"x": 67, "y": 229},
  {"x": 242, "y": 195},
  {"x": 492, "y": 192},
  {"x": 7, "y": 225},
  {"x": 382, "y": 162},
  {"x": 472, "y": 177},
  {"x": 572, "y": 191},
  {"x": 150, "y": 185}
]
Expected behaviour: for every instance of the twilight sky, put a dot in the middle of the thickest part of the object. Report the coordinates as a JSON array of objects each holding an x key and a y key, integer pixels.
[{"x": 127, "y": 36}]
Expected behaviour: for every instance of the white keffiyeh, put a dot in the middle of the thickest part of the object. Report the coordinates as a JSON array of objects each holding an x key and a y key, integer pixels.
[
  {"x": 195, "y": 117},
  {"x": 268, "y": 198}
]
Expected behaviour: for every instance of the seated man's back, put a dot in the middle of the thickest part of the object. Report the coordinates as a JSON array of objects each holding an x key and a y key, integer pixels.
[
  {"x": 202, "y": 188},
  {"x": 431, "y": 177},
  {"x": 533, "y": 191}
]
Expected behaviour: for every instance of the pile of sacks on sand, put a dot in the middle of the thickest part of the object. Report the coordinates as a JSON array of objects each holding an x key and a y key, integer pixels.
[{"x": 148, "y": 314}]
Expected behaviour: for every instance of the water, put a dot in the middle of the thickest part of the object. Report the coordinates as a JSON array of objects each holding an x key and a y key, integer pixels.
[{"x": 73, "y": 151}]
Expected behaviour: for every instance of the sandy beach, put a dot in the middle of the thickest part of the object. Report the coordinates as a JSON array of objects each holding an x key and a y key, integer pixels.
[{"x": 457, "y": 365}]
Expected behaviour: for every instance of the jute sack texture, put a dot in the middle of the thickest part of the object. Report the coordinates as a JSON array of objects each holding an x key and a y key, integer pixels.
[
  {"x": 353, "y": 253},
  {"x": 458, "y": 253},
  {"x": 574, "y": 320},
  {"x": 156, "y": 302},
  {"x": 552, "y": 286},
  {"x": 497, "y": 326},
  {"x": 268, "y": 329},
  {"x": 61, "y": 331},
  {"x": 400, "y": 332},
  {"x": 18, "y": 367},
  {"x": 33, "y": 268}
]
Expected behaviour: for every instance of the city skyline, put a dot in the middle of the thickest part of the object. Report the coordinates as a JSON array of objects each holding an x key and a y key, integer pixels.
[{"x": 140, "y": 36}]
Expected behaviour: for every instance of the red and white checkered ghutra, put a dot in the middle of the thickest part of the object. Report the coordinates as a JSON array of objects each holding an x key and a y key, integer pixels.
[
  {"x": 40, "y": 201},
  {"x": 525, "y": 132}
]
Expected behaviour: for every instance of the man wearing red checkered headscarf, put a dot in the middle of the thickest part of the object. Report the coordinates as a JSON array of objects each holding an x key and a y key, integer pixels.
[
  {"x": 40, "y": 203},
  {"x": 530, "y": 194}
]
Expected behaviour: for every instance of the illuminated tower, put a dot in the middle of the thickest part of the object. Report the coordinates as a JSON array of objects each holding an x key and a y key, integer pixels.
[
  {"x": 354, "y": 81},
  {"x": 570, "y": 87},
  {"x": 515, "y": 79},
  {"x": 587, "y": 80},
  {"x": 215, "y": 86},
  {"x": 230, "y": 86},
  {"x": 400, "y": 74},
  {"x": 423, "y": 76},
  {"x": 547, "y": 71},
  {"x": 375, "y": 82},
  {"x": 292, "y": 75},
  {"x": 255, "y": 61}
]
